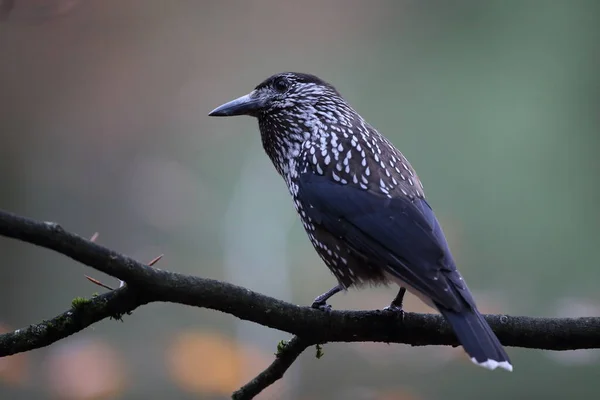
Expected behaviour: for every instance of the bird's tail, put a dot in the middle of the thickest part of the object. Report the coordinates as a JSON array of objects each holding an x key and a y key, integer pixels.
[{"x": 478, "y": 339}]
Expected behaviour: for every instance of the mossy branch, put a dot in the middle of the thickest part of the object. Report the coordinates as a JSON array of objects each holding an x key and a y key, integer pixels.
[{"x": 146, "y": 284}]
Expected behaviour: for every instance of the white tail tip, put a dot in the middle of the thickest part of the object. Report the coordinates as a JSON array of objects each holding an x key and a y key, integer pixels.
[{"x": 493, "y": 364}]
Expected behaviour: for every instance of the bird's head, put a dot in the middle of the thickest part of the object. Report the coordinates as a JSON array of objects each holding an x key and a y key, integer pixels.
[
  {"x": 291, "y": 108},
  {"x": 287, "y": 93}
]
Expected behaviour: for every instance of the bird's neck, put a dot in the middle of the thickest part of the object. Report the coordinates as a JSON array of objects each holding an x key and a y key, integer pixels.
[
  {"x": 285, "y": 157},
  {"x": 283, "y": 143},
  {"x": 283, "y": 135}
]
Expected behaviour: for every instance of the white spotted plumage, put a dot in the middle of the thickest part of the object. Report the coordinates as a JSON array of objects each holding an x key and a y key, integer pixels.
[
  {"x": 342, "y": 174},
  {"x": 325, "y": 135}
]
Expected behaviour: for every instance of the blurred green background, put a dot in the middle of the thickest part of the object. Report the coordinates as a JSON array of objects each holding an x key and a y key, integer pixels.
[{"x": 104, "y": 128}]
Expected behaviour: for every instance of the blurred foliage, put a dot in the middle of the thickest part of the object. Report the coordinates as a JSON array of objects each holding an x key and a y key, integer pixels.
[{"x": 103, "y": 124}]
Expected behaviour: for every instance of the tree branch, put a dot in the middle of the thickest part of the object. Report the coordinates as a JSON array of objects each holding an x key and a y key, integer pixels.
[
  {"x": 147, "y": 284},
  {"x": 284, "y": 358},
  {"x": 82, "y": 314}
]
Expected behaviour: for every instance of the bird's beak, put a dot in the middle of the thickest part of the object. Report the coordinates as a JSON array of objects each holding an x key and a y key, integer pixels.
[{"x": 245, "y": 105}]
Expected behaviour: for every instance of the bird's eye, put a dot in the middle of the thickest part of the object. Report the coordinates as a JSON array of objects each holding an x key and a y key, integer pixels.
[{"x": 281, "y": 85}]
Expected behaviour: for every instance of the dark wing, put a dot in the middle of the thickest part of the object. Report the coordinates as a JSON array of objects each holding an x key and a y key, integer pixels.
[{"x": 400, "y": 234}]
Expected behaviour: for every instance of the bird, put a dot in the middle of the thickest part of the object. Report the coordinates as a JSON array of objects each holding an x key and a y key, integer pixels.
[{"x": 362, "y": 204}]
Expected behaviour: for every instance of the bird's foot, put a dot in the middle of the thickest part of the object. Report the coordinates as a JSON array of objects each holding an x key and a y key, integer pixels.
[
  {"x": 395, "y": 309},
  {"x": 320, "y": 303},
  {"x": 322, "y": 306},
  {"x": 396, "y": 305}
]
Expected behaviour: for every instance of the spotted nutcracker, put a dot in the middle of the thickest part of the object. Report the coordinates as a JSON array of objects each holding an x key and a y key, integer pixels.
[{"x": 361, "y": 203}]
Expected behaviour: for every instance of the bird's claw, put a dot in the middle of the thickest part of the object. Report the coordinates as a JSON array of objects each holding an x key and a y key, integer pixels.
[
  {"x": 321, "y": 306},
  {"x": 394, "y": 309}
]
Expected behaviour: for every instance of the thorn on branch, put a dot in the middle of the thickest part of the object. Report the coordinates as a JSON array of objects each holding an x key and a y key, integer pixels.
[
  {"x": 97, "y": 282},
  {"x": 121, "y": 283},
  {"x": 155, "y": 260}
]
